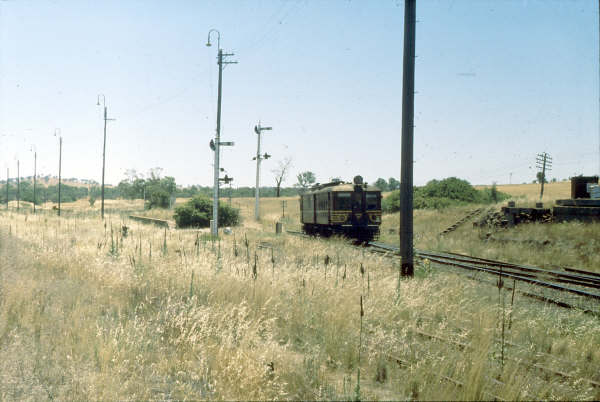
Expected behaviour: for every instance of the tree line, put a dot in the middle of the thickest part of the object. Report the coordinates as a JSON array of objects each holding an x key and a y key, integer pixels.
[{"x": 160, "y": 191}]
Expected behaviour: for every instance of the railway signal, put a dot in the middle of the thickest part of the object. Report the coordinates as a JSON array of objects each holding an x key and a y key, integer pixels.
[
  {"x": 214, "y": 145},
  {"x": 258, "y": 130}
]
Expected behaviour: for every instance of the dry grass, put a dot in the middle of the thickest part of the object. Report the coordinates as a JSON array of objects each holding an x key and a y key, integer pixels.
[
  {"x": 86, "y": 313},
  {"x": 531, "y": 192}
]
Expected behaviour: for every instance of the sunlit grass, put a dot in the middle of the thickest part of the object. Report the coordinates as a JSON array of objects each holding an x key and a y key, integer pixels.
[{"x": 87, "y": 313}]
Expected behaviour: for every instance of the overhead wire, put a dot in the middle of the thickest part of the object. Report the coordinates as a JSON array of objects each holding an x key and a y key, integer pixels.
[{"x": 273, "y": 26}]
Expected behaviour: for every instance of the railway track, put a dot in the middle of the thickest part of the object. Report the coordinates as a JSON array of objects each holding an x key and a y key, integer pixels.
[{"x": 582, "y": 283}]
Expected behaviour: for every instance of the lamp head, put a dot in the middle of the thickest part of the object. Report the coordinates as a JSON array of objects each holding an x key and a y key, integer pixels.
[{"x": 208, "y": 43}]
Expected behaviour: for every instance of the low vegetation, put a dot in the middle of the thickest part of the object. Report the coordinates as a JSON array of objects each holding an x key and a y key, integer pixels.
[
  {"x": 197, "y": 212},
  {"x": 440, "y": 194},
  {"x": 91, "y": 311}
]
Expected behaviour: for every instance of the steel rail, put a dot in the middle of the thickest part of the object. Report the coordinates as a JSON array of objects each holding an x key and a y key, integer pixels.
[
  {"x": 581, "y": 278},
  {"x": 563, "y": 277},
  {"x": 577, "y": 274},
  {"x": 487, "y": 265},
  {"x": 521, "y": 278}
]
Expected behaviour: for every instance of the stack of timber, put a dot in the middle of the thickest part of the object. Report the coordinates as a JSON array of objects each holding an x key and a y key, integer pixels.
[{"x": 515, "y": 215}]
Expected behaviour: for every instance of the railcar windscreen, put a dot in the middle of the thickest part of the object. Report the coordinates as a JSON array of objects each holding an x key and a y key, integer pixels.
[
  {"x": 343, "y": 201},
  {"x": 372, "y": 201}
]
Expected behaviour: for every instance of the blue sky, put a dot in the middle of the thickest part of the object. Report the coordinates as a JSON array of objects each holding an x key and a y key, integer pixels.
[{"x": 497, "y": 82}]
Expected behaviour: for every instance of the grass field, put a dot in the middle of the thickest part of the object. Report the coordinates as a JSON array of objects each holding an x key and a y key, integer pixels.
[
  {"x": 89, "y": 312},
  {"x": 552, "y": 191}
]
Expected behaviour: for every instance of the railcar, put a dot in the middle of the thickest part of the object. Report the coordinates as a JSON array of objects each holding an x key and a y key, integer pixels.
[{"x": 350, "y": 209}]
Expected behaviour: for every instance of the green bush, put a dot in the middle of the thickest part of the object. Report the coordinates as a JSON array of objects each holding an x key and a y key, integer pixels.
[
  {"x": 158, "y": 198},
  {"x": 440, "y": 194},
  {"x": 197, "y": 212}
]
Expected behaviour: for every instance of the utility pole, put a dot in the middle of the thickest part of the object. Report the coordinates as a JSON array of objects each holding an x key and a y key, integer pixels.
[
  {"x": 104, "y": 146},
  {"x": 34, "y": 177},
  {"x": 18, "y": 187},
  {"x": 216, "y": 144},
  {"x": 7, "y": 175},
  {"x": 543, "y": 161},
  {"x": 408, "y": 109},
  {"x": 258, "y": 129},
  {"x": 59, "y": 170},
  {"x": 510, "y": 178}
]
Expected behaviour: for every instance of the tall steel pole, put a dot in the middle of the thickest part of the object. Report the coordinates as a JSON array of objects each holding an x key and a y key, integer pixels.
[
  {"x": 215, "y": 227},
  {"x": 408, "y": 106},
  {"x": 217, "y": 142},
  {"x": 257, "y": 189},
  {"x": 59, "y": 170},
  {"x": 34, "y": 177},
  {"x": 103, "y": 162}
]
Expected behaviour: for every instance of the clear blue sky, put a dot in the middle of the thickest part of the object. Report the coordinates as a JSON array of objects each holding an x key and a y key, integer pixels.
[{"x": 497, "y": 82}]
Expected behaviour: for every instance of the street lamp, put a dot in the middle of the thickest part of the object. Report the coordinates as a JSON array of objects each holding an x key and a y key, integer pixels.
[
  {"x": 104, "y": 146},
  {"x": 216, "y": 143},
  {"x": 208, "y": 44},
  {"x": 258, "y": 129}
]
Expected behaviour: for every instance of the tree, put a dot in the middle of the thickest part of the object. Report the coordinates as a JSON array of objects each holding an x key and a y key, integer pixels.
[
  {"x": 381, "y": 184},
  {"x": 158, "y": 190},
  {"x": 131, "y": 175},
  {"x": 305, "y": 180},
  {"x": 281, "y": 172},
  {"x": 494, "y": 192},
  {"x": 393, "y": 184},
  {"x": 540, "y": 176}
]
